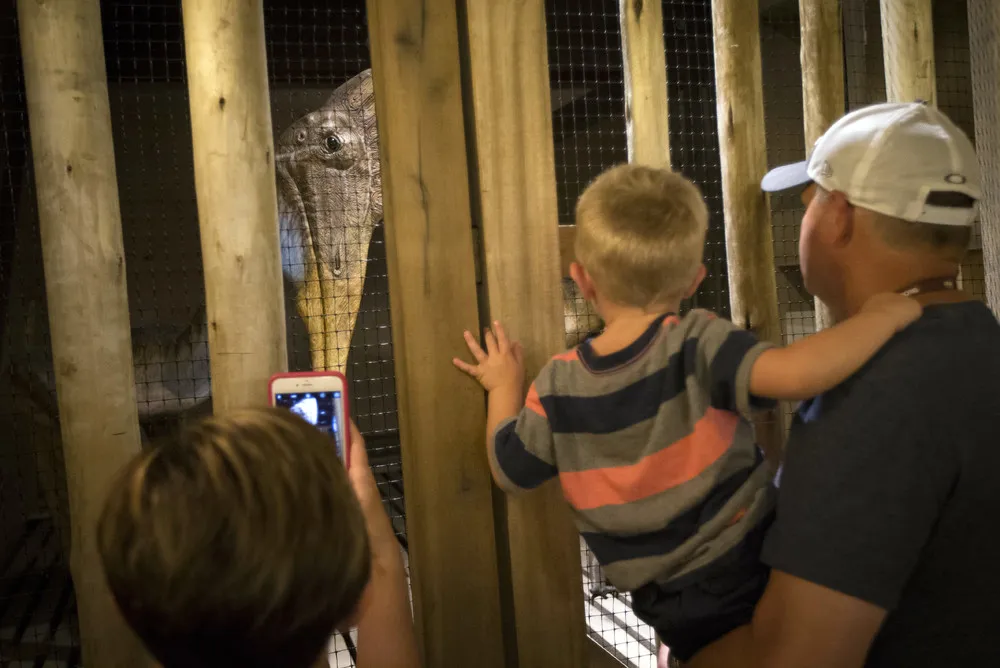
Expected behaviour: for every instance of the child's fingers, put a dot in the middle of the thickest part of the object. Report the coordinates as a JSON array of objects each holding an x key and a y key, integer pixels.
[
  {"x": 502, "y": 343},
  {"x": 474, "y": 348},
  {"x": 470, "y": 369},
  {"x": 518, "y": 352},
  {"x": 491, "y": 342}
]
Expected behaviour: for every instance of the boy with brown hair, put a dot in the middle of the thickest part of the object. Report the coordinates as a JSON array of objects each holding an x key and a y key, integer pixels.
[
  {"x": 647, "y": 425},
  {"x": 245, "y": 543}
]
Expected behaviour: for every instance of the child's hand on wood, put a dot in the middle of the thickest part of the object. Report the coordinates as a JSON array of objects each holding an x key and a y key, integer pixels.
[
  {"x": 896, "y": 308},
  {"x": 500, "y": 366}
]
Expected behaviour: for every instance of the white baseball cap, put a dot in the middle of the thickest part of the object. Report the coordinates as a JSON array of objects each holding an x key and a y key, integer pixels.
[{"x": 906, "y": 160}]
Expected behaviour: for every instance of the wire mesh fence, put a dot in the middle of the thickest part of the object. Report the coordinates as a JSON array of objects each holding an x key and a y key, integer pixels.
[
  {"x": 865, "y": 80},
  {"x": 37, "y": 605},
  {"x": 315, "y": 53},
  {"x": 313, "y": 50},
  {"x": 586, "y": 74}
]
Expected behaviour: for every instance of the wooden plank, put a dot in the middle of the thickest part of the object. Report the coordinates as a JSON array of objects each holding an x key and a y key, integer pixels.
[
  {"x": 84, "y": 262},
  {"x": 237, "y": 198},
  {"x": 753, "y": 296},
  {"x": 908, "y": 53},
  {"x": 645, "y": 61},
  {"x": 908, "y": 50},
  {"x": 823, "y": 95},
  {"x": 567, "y": 238},
  {"x": 452, "y": 547},
  {"x": 515, "y": 165},
  {"x": 984, "y": 48}
]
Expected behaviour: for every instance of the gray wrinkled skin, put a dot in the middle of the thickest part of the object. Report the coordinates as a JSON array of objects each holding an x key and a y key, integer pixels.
[{"x": 329, "y": 203}]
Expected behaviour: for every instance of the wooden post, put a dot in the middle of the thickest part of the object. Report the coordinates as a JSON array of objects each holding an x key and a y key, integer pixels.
[
  {"x": 753, "y": 295},
  {"x": 84, "y": 264},
  {"x": 822, "y": 83},
  {"x": 645, "y": 60},
  {"x": 237, "y": 199},
  {"x": 432, "y": 283},
  {"x": 984, "y": 48},
  {"x": 908, "y": 51},
  {"x": 515, "y": 164}
]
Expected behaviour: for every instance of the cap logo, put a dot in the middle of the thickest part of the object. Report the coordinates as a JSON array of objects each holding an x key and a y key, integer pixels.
[
  {"x": 957, "y": 179},
  {"x": 825, "y": 170}
]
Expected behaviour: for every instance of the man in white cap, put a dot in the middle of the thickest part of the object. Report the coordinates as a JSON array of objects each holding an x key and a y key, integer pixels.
[{"x": 885, "y": 550}]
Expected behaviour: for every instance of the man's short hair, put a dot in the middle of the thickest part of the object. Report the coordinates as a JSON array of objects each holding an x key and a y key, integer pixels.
[
  {"x": 240, "y": 543},
  {"x": 950, "y": 242},
  {"x": 641, "y": 234}
]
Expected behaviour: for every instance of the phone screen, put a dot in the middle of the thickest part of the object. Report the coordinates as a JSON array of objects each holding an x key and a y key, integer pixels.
[{"x": 324, "y": 410}]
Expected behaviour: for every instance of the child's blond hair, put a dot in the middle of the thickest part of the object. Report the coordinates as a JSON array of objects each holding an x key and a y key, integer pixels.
[
  {"x": 640, "y": 234},
  {"x": 240, "y": 543}
]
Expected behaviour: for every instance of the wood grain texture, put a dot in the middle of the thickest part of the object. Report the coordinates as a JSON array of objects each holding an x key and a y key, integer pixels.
[
  {"x": 84, "y": 262},
  {"x": 908, "y": 50},
  {"x": 515, "y": 164},
  {"x": 237, "y": 198},
  {"x": 823, "y": 95},
  {"x": 428, "y": 228},
  {"x": 984, "y": 48},
  {"x": 743, "y": 157},
  {"x": 567, "y": 240},
  {"x": 644, "y": 58}
]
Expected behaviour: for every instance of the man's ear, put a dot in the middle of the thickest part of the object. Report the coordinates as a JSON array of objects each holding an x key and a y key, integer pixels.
[
  {"x": 838, "y": 228},
  {"x": 696, "y": 283},
  {"x": 582, "y": 280}
]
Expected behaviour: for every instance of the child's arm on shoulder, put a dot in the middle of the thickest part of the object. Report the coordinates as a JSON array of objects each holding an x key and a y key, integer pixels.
[
  {"x": 823, "y": 360},
  {"x": 516, "y": 450}
]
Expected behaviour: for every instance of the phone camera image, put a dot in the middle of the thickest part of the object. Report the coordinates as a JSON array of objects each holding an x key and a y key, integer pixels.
[{"x": 320, "y": 409}]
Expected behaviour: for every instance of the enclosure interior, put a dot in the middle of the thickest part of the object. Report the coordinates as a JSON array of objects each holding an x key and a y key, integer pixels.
[{"x": 311, "y": 50}]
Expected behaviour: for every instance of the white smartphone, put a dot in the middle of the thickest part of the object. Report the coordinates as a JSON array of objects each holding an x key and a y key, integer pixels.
[{"x": 320, "y": 397}]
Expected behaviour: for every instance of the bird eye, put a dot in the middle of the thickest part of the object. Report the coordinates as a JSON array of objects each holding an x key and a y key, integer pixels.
[{"x": 333, "y": 144}]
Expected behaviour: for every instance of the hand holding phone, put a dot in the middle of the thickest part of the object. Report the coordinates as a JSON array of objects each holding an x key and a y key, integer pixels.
[{"x": 320, "y": 398}]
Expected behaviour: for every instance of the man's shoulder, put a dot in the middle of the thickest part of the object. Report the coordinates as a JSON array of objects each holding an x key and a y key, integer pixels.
[{"x": 948, "y": 343}]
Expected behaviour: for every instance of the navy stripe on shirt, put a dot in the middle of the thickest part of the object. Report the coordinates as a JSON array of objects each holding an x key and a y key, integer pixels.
[
  {"x": 609, "y": 549},
  {"x": 522, "y": 467},
  {"x": 640, "y": 401},
  {"x": 724, "y": 368},
  {"x": 615, "y": 411}
]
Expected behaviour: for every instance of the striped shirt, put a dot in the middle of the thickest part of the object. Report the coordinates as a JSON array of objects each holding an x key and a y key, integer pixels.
[{"x": 652, "y": 446}]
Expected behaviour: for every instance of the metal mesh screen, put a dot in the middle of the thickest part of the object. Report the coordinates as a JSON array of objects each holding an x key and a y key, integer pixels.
[
  {"x": 780, "y": 42},
  {"x": 984, "y": 26},
  {"x": 587, "y": 76},
  {"x": 37, "y": 605},
  {"x": 954, "y": 88},
  {"x": 865, "y": 70},
  {"x": 312, "y": 49},
  {"x": 694, "y": 131}
]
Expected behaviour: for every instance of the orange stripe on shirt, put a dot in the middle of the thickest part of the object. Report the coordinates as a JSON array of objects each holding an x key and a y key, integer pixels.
[
  {"x": 533, "y": 403},
  {"x": 568, "y": 356},
  {"x": 674, "y": 465}
]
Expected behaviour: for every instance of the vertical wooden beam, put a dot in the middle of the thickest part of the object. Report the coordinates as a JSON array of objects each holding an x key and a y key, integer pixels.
[
  {"x": 753, "y": 293},
  {"x": 515, "y": 164},
  {"x": 645, "y": 60},
  {"x": 908, "y": 50},
  {"x": 908, "y": 53},
  {"x": 823, "y": 102},
  {"x": 237, "y": 199},
  {"x": 84, "y": 263},
  {"x": 984, "y": 47},
  {"x": 432, "y": 283}
]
